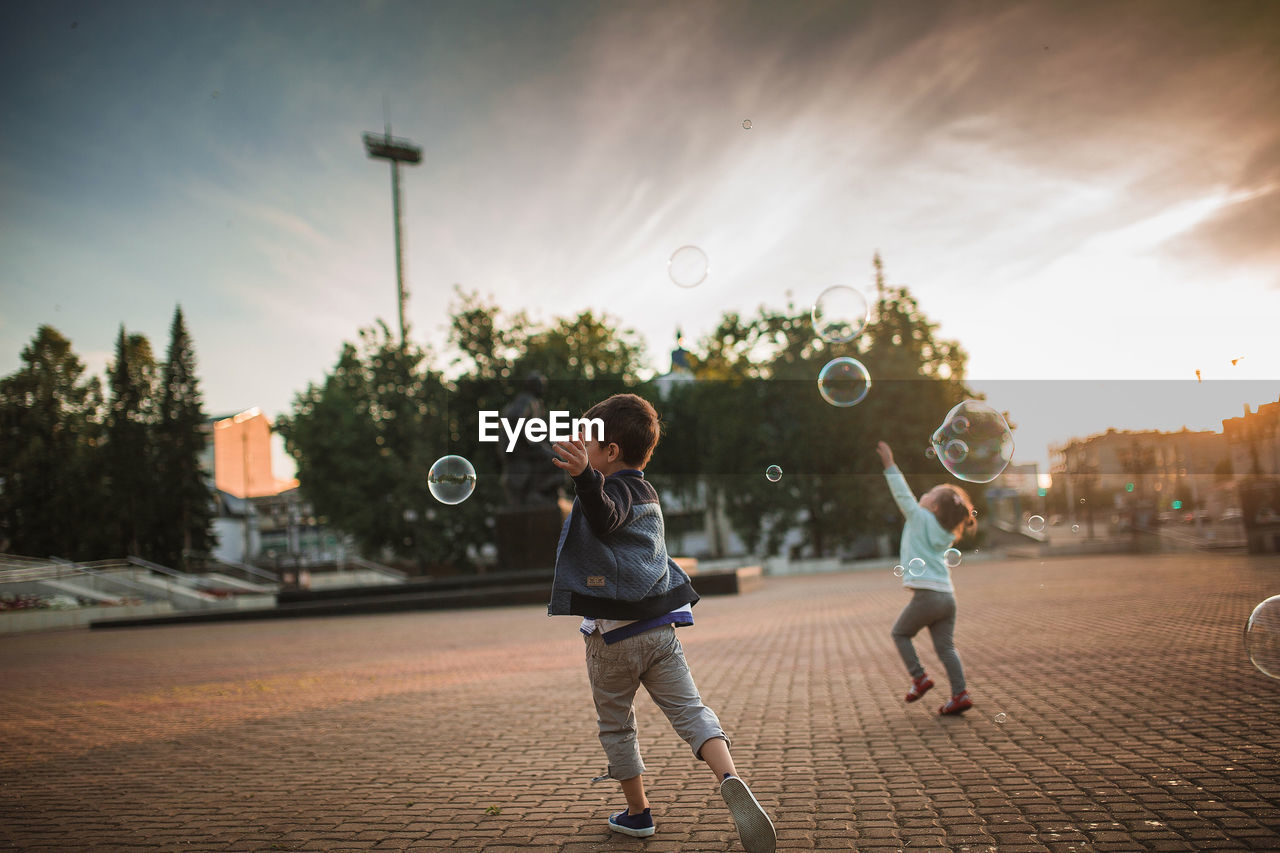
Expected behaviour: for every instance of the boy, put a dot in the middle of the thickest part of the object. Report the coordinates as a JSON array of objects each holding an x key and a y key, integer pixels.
[{"x": 612, "y": 568}]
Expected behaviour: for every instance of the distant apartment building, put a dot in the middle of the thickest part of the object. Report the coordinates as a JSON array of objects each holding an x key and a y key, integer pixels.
[
  {"x": 1160, "y": 470},
  {"x": 242, "y": 456},
  {"x": 238, "y": 461},
  {"x": 1254, "y": 441},
  {"x": 1254, "y": 444}
]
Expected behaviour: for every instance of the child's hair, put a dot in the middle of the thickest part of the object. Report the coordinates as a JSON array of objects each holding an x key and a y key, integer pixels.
[
  {"x": 630, "y": 422},
  {"x": 955, "y": 508}
]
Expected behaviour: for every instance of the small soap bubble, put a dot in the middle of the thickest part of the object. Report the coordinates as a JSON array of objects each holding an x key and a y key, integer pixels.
[
  {"x": 987, "y": 446},
  {"x": 1082, "y": 500},
  {"x": 1262, "y": 637},
  {"x": 839, "y": 313},
  {"x": 1035, "y": 523},
  {"x": 973, "y": 512},
  {"x": 773, "y": 473},
  {"x": 844, "y": 382},
  {"x": 951, "y": 557},
  {"x": 746, "y": 125},
  {"x": 688, "y": 266},
  {"x": 899, "y": 571},
  {"x": 1001, "y": 717},
  {"x": 1075, "y": 528},
  {"x": 930, "y": 453},
  {"x": 915, "y": 567},
  {"x": 451, "y": 479}
]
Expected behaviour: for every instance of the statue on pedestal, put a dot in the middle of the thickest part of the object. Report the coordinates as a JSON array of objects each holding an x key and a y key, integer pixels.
[{"x": 528, "y": 477}]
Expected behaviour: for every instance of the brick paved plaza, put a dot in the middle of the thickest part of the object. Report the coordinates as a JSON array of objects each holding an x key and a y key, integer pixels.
[{"x": 1133, "y": 720}]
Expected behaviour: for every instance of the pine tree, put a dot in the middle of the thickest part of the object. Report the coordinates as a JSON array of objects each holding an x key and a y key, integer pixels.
[
  {"x": 128, "y": 452},
  {"x": 184, "y": 501},
  {"x": 50, "y": 420}
]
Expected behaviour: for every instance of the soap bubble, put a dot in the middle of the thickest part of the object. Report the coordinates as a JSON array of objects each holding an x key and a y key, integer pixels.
[
  {"x": 1262, "y": 637},
  {"x": 839, "y": 313},
  {"x": 844, "y": 382},
  {"x": 746, "y": 125},
  {"x": 1035, "y": 523},
  {"x": 1075, "y": 528},
  {"x": 915, "y": 567},
  {"x": 987, "y": 446},
  {"x": 1000, "y": 718},
  {"x": 930, "y": 453},
  {"x": 688, "y": 266},
  {"x": 773, "y": 473},
  {"x": 951, "y": 557},
  {"x": 899, "y": 571},
  {"x": 451, "y": 480}
]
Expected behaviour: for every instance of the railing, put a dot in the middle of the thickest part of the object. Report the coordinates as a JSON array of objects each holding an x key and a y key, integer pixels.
[
  {"x": 182, "y": 577},
  {"x": 264, "y": 574},
  {"x": 369, "y": 565},
  {"x": 1018, "y": 529},
  {"x": 106, "y": 573},
  {"x": 96, "y": 571}
]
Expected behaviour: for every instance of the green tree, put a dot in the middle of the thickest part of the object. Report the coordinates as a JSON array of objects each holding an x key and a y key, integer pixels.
[
  {"x": 757, "y": 404},
  {"x": 184, "y": 523},
  {"x": 129, "y": 457},
  {"x": 364, "y": 440},
  {"x": 583, "y": 358},
  {"x": 50, "y": 423}
]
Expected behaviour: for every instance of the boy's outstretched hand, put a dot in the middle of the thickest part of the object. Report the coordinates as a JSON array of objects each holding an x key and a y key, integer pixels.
[
  {"x": 571, "y": 456},
  {"x": 886, "y": 454}
]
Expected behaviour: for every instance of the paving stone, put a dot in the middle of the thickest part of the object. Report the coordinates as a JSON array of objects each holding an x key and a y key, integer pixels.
[{"x": 405, "y": 731}]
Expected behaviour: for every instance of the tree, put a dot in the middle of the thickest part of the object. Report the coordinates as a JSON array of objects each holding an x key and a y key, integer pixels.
[
  {"x": 364, "y": 440},
  {"x": 50, "y": 425},
  {"x": 129, "y": 459},
  {"x": 757, "y": 405},
  {"x": 184, "y": 524},
  {"x": 365, "y": 437}
]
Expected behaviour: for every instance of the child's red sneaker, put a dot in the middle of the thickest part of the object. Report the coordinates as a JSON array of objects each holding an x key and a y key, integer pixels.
[
  {"x": 919, "y": 687},
  {"x": 957, "y": 704}
]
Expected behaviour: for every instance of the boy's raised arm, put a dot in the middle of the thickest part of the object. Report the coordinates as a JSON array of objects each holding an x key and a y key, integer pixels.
[{"x": 606, "y": 505}]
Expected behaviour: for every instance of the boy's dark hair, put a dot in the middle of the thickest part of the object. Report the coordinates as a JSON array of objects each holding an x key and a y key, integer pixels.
[
  {"x": 954, "y": 508},
  {"x": 630, "y": 422}
]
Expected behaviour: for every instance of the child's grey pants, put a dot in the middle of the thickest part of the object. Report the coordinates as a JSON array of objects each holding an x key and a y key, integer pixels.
[
  {"x": 655, "y": 660},
  {"x": 937, "y": 611}
]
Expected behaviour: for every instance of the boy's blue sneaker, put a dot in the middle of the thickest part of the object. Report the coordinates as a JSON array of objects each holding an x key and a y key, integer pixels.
[
  {"x": 755, "y": 830},
  {"x": 635, "y": 825}
]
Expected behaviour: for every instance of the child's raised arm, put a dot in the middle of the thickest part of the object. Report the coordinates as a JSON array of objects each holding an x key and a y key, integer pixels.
[
  {"x": 897, "y": 483},
  {"x": 886, "y": 454}
]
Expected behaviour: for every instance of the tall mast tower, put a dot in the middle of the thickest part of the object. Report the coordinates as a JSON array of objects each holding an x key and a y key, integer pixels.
[{"x": 384, "y": 146}]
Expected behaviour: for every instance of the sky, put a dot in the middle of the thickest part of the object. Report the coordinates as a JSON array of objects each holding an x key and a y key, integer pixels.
[{"x": 1085, "y": 195}]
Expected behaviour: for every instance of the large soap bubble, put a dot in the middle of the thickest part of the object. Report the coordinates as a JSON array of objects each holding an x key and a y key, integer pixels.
[
  {"x": 1262, "y": 637},
  {"x": 688, "y": 266},
  {"x": 974, "y": 442},
  {"x": 839, "y": 313},
  {"x": 844, "y": 382},
  {"x": 451, "y": 479}
]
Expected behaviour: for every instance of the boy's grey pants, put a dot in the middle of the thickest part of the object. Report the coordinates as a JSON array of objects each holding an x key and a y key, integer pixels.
[
  {"x": 656, "y": 660},
  {"x": 937, "y": 611}
]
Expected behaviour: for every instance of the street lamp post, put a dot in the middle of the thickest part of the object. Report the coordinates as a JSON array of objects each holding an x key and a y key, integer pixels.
[{"x": 395, "y": 151}]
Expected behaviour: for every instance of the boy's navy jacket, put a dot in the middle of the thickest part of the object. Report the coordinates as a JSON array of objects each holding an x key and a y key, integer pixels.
[{"x": 612, "y": 562}]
